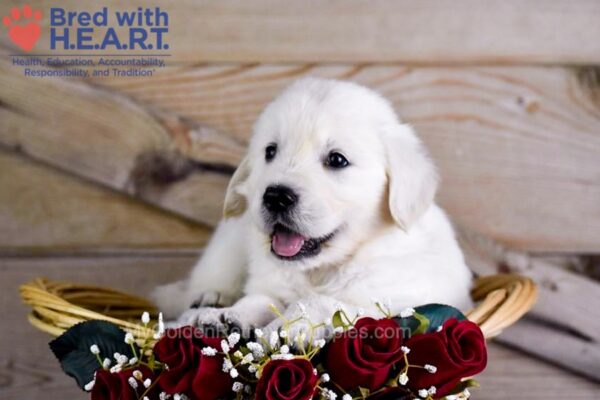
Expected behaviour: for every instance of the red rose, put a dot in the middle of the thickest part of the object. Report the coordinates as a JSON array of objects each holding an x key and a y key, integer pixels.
[
  {"x": 116, "y": 386},
  {"x": 456, "y": 352},
  {"x": 287, "y": 379},
  {"x": 189, "y": 371},
  {"x": 363, "y": 356}
]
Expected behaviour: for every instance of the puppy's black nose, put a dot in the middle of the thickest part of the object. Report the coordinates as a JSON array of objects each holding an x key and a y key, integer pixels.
[{"x": 279, "y": 199}]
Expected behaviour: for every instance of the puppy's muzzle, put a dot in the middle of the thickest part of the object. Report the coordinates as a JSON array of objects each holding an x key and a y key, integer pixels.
[{"x": 279, "y": 199}]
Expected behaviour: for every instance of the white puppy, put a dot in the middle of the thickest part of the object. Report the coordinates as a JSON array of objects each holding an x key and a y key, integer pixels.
[{"x": 333, "y": 204}]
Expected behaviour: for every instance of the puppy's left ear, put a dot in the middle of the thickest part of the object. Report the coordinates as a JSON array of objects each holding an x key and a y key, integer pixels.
[
  {"x": 412, "y": 177},
  {"x": 235, "y": 201}
]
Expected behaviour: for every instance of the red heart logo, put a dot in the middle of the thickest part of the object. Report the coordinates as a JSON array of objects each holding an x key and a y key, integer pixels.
[{"x": 25, "y": 36}]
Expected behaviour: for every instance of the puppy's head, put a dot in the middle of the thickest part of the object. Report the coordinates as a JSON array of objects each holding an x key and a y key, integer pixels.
[{"x": 328, "y": 166}]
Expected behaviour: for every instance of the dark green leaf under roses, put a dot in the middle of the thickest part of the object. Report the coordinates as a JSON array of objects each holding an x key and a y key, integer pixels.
[
  {"x": 429, "y": 318},
  {"x": 72, "y": 348}
]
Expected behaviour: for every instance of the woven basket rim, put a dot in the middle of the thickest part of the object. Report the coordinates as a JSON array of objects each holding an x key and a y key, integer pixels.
[{"x": 57, "y": 305}]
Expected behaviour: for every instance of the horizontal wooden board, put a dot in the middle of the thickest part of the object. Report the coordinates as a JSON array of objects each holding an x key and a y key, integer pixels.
[
  {"x": 46, "y": 210},
  {"x": 29, "y": 371},
  {"x": 517, "y": 147},
  {"x": 426, "y": 31}
]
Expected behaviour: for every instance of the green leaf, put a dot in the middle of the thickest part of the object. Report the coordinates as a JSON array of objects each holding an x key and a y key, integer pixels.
[
  {"x": 72, "y": 348},
  {"x": 438, "y": 314},
  {"x": 429, "y": 318},
  {"x": 337, "y": 320}
]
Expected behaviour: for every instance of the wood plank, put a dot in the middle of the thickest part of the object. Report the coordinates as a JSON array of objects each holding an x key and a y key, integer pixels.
[
  {"x": 28, "y": 370},
  {"x": 426, "y": 31},
  {"x": 107, "y": 138},
  {"x": 46, "y": 210},
  {"x": 517, "y": 147}
]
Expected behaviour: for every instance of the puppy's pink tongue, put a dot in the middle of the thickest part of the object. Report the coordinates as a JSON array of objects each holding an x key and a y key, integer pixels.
[{"x": 287, "y": 244}]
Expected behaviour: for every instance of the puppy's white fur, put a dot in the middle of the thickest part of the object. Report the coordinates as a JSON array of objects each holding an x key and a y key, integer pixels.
[{"x": 391, "y": 241}]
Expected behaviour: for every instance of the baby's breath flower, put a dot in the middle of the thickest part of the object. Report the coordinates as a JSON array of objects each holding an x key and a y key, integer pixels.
[
  {"x": 431, "y": 390},
  {"x": 325, "y": 378},
  {"x": 233, "y": 339},
  {"x": 94, "y": 349},
  {"x": 146, "y": 398},
  {"x": 147, "y": 383},
  {"x": 225, "y": 346},
  {"x": 145, "y": 318},
  {"x": 284, "y": 349},
  {"x": 106, "y": 363},
  {"x": 430, "y": 368},
  {"x": 89, "y": 386},
  {"x": 163, "y": 396},
  {"x": 274, "y": 339},
  {"x": 132, "y": 382},
  {"x": 122, "y": 359},
  {"x": 329, "y": 394},
  {"x": 234, "y": 373},
  {"x": 129, "y": 339},
  {"x": 320, "y": 343},
  {"x": 238, "y": 354},
  {"x": 403, "y": 379},
  {"x": 248, "y": 358},
  {"x": 227, "y": 365},
  {"x": 407, "y": 312},
  {"x": 439, "y": 328},
  {"x": 259, "y": 333},
  {"x": 283, "y": 334},
  {"x": 137, "y": 374},
  {"x": 405, "y": 349},
  {"x": 256, "y": 349},
  {"x": 423, "y": 393},
  {"x": 346, "y": 397},
  {"x": 133, "y": 361},
  {"x": 116, "y": 369},
  {"x": 252, "y": 368},
  {"x": 209, "y": 351},
  {"x": 237, "y": 386}
]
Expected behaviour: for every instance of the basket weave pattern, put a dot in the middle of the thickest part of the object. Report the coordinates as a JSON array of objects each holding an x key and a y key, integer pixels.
[{"x": 56, "y": 306}]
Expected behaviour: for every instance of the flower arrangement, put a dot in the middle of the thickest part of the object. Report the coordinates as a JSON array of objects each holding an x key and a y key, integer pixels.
[{"x": 430, "y": 352}]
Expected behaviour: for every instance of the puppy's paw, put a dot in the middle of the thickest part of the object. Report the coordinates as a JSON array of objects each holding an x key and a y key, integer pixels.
[
  {"x": 217, "y": 321},
  {"x": 211, "y": 298},
  {"x": 169, "y": 299}
]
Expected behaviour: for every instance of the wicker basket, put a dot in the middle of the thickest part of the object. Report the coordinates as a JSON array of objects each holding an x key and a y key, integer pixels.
[{"x": 56, "y": 306}]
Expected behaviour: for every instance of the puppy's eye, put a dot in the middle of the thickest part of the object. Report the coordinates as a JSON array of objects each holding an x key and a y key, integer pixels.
[
  {"x": 270, "y": 152},
  {"x": 336, "y": 160}
]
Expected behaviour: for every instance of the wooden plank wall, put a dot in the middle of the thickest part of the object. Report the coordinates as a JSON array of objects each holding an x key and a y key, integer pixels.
[{"x": 507, "y": 103}]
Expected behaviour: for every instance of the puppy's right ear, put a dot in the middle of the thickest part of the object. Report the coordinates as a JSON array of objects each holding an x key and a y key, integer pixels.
[{"x": 235, "y": 200}]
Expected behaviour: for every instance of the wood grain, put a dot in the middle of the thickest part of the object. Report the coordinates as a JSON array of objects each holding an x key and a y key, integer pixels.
[
  {"x": 517, "y": 147},
  {"x": 28, "y": 370},
  {"x": 107, "y": 138},
  {"x": 46, "y": 210},
  {"x": 426, "y": 31}
]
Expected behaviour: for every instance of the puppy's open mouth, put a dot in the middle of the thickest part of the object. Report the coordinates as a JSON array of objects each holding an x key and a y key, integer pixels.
[{"x": 289, "y": 245}]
